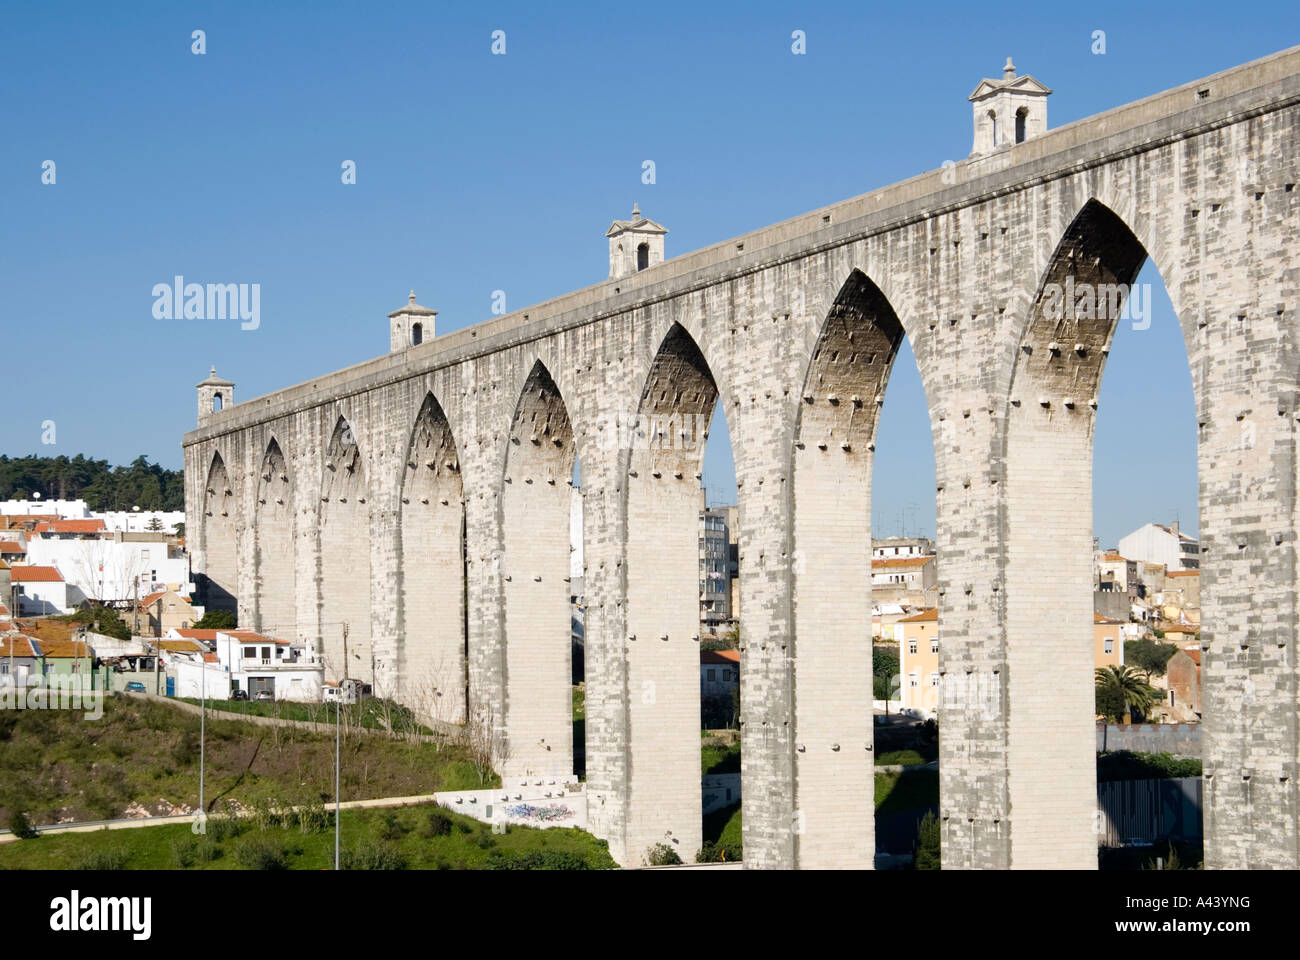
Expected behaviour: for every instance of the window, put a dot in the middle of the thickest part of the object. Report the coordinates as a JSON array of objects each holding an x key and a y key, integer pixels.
[
  {"x": 934, "y": 645},
  {"x": 1021, "y": 116},
  {"x": 911, "y": 646},
  {"x": 417, "y": 334},
  {"x": 216, "y": 403},
  {"x": 144, "y": 556},
  {"x": 643, "y": 256},
  {"x": 934, "y": 679},
  {"x": 711, "y": 675},
  {"x": 1110, "y": 644},
  {"x": 250, "y": 652},
  {"x": 914, "y": 679}
]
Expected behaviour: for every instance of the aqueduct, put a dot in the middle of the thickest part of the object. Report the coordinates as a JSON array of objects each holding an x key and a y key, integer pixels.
[{"x": 435, "y": 477}]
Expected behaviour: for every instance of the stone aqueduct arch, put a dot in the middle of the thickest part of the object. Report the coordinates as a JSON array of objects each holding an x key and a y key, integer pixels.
[{"x": 1202, "y": 178}]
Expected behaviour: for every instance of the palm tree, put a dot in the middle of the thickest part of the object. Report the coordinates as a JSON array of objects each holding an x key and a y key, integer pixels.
[{"x": 1129, "y": 687}]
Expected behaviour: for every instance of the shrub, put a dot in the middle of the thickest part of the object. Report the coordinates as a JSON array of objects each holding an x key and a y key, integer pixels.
[
  {"x": 110, "y": 858},
  {"x": 709, "y": 853},
  {"x": 22, "y": 827},
  {"x": 463, "y": 827},
  {"x": 485, "y": 840},
  {"x": 260, "y": 852},
  {"x": 393, "y": 828},
  {"x": 662, "y": 855},
  {"x": 265, "y": 814},
  {"x": 373, "y": 856},
  {"x": 438, "y": 825},
  {"x": 927, "y": 843},
  {"x": 185, "y": 749},
  {"x": 537, "y": 860},
  {"x": 312, "y": 817},
  {"x": 1126, "y": 765},
  {"x": 183, "y": 852},
  {"x": 224, "y": 827}
]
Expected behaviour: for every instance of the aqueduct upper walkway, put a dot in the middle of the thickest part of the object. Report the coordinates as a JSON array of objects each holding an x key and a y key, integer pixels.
[{"x": 434, "y": 479}]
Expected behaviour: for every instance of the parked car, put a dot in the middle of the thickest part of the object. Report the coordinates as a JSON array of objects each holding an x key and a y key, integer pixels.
[
  {"x": 135, "y": 686},
  {"x": 264, "y": 695},
  {"x": 239, "y": 695}
]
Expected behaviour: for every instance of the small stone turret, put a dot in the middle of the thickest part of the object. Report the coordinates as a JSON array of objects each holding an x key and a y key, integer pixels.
[
  {"x": 215, "y": 395},
  {"x": 1008, "y": 111},
  {"x": 410, "y": 326},
  {"x": 634, "y": 244}
]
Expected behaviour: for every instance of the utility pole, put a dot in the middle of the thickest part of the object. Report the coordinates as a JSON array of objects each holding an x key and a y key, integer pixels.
[{"x": 338, "y": 727}]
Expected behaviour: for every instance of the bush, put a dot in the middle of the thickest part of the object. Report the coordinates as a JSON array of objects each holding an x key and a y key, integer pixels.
[
  {"x": 1127, "y": 765},
  {"x": 928, "y": 843},
  {"x": 265, "y": 814},
  {"x": 186, "y": 749},
  {"x": 312, "y": 816},
  {"x": 216, "y": 620},
  {"x": 662, "y": 855},
  {"x": 709, "y": 853},
  {"x": 463, "y": 827},
  {"x": 224, "y": 827},
  {"x": 393, "y": 828},
  {"x": 259, "y": 852},
  {"x": 22, "y": 827},
  {"x": 536, "y": 860},
  {"x": 373, "y": 856},
  {"x": 438, "y": 825},
  {"x": 183, "y": 852},
  {"x": 110, "y": 858},
  {"x": 485, "y": 840}
]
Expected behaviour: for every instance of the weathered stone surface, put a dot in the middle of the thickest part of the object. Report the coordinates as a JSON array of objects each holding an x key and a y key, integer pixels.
[{"x": 1200, "y": 178}]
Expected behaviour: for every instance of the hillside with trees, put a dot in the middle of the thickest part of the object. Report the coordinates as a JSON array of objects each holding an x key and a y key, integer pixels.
[{"x": 142, "y": 484}]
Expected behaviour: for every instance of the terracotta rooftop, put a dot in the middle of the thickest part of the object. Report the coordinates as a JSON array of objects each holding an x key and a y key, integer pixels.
[
  {"x": 728, "y": 657},
  {"x": 35, "y": 574},
  {"x": 1098, "y": 618},
  {"x": 1183, "y": 573},
  {"x": 925, "y": 616},
  {"x": 22, "y": 646},
  {"x": 895, "y": 563},
  {"x": 72, "y": 526}
]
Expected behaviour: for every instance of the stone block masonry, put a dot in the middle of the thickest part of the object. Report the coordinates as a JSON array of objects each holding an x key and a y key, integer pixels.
[{"x": 791, "y": 330}]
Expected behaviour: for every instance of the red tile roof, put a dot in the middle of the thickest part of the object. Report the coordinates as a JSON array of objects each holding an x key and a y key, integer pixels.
[
  {"x": 34, "y": 574},
  {"x": 1183, "y": 573},
  {"x": 1098, "y": 618},
  {"x": 22, "y": 646},
  {"x": 894, "y": 563},
  {"x": 927, "y": 615},
  {"x": 72, "y": 526},
  {"x": 727, "y": 657},
  {"x": 12, "y": 546}
]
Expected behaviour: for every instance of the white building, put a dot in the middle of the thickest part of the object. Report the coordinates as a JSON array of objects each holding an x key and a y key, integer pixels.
[
  {"x": 139, "y": 521},
  {"x": 109, "y": 569},
  {"x": 70, "y": 509},
  {"x": 254, "y": 663},
  {"x": 1156, "y": 543},
  {"x": 41, "y": 590}
]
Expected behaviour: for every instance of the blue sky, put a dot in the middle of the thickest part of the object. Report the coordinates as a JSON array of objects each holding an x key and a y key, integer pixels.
[{"x": 478, "y": 172}]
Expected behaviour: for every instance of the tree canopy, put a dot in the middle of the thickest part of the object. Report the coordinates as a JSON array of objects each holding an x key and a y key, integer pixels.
[
  {"x": 1149, "y": 656},
  {"x": 141, "y": 484}
]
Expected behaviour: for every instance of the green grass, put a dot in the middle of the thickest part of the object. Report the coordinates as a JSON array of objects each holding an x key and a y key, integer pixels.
[
  {"x": 903, "y": 757},
  {"x": 720, "y": 758},
  {"x": 579, "y": 703},
  {"x": 59, "y": 764},
  {"x": 373, "y": 714},
  {"x": 724, "y": 827},
  {"x": 896, "y": 792},
  {"x": 401, "y": 835}
]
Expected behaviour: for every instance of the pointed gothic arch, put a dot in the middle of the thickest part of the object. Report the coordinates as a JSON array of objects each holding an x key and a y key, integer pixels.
[{"x": 431, "y": 655}]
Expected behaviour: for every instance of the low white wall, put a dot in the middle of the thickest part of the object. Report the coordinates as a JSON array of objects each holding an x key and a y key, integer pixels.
[{"x": 531, "y": 802}]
